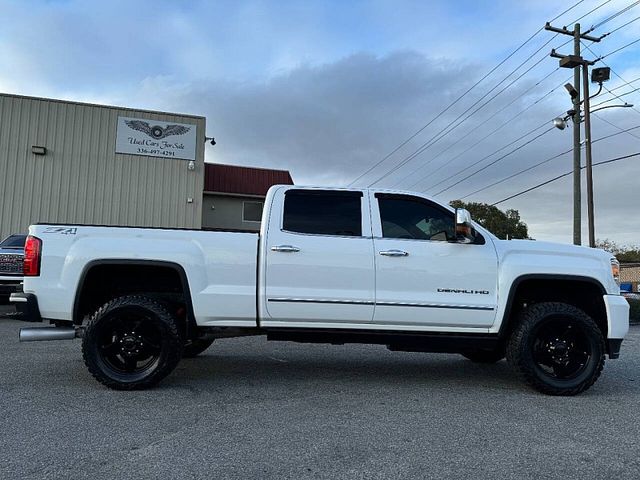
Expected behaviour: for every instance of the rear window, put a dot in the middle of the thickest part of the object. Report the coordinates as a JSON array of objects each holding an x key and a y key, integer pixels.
[
  {"x": 323, "y": 212},
  {"x": 14, "y": 241}
]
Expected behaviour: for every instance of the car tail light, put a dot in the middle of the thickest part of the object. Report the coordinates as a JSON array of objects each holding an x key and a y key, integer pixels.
[{"x": 32, "y": 254}]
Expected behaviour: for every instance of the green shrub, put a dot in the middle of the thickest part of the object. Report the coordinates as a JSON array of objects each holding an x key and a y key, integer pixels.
[{"x": 634, "y": 313}]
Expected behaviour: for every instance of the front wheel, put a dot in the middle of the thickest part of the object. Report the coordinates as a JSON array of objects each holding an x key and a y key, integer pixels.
[
  {"x": 557, "y": 349},
  {"x": 131, "y": 343}
]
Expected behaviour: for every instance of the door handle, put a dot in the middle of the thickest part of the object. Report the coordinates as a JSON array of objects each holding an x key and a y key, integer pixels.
[
  {"x": 394, "y": 253},
  {"x": 284, "y": 248}
]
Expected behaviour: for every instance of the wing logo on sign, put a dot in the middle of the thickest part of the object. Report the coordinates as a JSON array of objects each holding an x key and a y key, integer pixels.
[{"x": 156, "y": 131}]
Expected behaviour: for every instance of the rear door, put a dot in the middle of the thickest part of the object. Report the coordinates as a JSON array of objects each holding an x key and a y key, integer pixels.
[
  {"x": 424, "y": 279},
  {"x": 319, "y": 265}
]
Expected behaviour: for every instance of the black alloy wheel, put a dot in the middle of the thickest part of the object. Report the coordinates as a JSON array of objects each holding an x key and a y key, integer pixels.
[
  {"x": 561, "y": 348},
  {"x": 131, "y": 343},
  {"x": 556, "y": 348}
]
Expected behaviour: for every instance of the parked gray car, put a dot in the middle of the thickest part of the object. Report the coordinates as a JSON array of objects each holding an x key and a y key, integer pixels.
[{"x": 11, "y": 257}]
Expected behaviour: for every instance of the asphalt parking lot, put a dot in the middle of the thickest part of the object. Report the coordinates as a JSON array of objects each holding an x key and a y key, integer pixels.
[{"x": 249, "y": 408}]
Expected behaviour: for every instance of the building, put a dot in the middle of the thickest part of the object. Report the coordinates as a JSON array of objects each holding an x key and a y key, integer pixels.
[
  {"x": 630, "y": 274},
  {"x": 70, "y": 162},
  {"x": 234, "y": 196}
]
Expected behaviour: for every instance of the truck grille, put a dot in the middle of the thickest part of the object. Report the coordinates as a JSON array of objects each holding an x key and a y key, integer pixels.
[{"x": 11, "y": 264}]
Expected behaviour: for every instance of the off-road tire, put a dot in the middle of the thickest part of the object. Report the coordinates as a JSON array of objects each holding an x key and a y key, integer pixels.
[
  {"x": 532, "y": 322},
  {"x": 484, "y": 356},
  {"x": 162, "y": 323},
  {"x": 195, "y": 347}
]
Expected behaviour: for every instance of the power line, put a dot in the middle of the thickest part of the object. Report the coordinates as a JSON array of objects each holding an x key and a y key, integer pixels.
[
  {"x": 479, "y": 125},
  {"x": 465, "y": 93},
  {"x": 611, "y": 17},
  {"x": 586, "y": 14},
  {"x": 571, "y": 8},
  {"x": 619, "y": 49},
  {"x": 626, "y": 93},
  {"x": 482, "y": 140},
  {"x": 468, "y": 90},
  {"x": 495, "y": 161},
  {"x": 459, "y": 119},
  {"x": 612, "y": 160},
  {"x": 520, "y": 172},
  {"x": 614, "y": 125},
  {"x": 421, "y": 129},
  {"x": 619, "y": 97},
  {"x": 517, "y": 174},
  {"x": 453, "y": 125},
  {"x": 620, "y": 27},
  {"x": 481, "y": 159}
]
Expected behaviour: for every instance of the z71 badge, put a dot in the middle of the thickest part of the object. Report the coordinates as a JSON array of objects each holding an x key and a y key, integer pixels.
[{"x": 61, "y": 230}]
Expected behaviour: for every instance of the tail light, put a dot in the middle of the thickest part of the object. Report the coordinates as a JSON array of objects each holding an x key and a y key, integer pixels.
[{"x": 32, "y": 255}]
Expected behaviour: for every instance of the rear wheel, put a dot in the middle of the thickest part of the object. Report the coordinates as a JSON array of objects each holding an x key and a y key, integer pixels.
[
  {"x": 557, "y": 348},
  {"x": 196, "y": 346},
  {"x": 131, "y": 343}
]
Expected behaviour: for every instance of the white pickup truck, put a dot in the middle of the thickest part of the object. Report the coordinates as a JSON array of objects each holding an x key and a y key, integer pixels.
[{"x": 329, "y": 266}]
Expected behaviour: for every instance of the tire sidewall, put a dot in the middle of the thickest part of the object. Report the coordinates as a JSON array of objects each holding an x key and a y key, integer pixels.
[
  {"x": 520, "y": 348},
  {"x": 106, "y": 317},
  {"x": 588, "y": 369}
]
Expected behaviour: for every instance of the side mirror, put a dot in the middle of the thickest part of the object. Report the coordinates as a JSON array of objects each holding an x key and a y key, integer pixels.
[{"x": 465, "y": 232}]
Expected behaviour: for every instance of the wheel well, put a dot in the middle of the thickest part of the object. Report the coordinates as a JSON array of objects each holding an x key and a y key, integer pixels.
[
  {"x": 583, "y": 294},
  {"x": 165, "y": 283}
]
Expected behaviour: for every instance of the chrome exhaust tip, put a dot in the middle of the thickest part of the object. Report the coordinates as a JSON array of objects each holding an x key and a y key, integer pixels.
[{"x": 39, "y": 334}]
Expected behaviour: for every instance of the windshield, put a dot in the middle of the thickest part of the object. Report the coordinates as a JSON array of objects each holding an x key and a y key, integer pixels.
[{"x": 14, "y": 241}]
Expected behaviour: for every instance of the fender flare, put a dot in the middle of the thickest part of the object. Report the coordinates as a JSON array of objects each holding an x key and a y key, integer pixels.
[
  {"x": 184, "y": 281},
  {"x": 541, "y": 276}
]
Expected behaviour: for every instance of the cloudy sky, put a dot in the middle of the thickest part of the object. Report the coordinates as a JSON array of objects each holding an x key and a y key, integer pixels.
[{"x": 328, "y": 89}]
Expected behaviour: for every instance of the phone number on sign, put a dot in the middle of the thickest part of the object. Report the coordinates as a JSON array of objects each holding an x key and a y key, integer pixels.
[{"x": 164, "y": 153}]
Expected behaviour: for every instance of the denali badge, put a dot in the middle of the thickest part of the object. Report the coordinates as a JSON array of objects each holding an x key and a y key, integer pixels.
[{"x": 458, "y": 290}]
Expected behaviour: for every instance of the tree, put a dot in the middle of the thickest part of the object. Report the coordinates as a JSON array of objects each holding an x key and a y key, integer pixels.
[
  {"x": 503, "y": 225},
  {"x": 625, "y": 254}
]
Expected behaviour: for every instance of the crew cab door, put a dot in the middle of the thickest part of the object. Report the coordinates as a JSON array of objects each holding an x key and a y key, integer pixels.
[
  {"x": 319, "y": 262},
  {"x": 424, "y": 279}
]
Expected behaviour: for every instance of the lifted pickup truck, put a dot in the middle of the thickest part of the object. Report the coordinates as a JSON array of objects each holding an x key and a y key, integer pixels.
[{"x": 329, "y": 265}]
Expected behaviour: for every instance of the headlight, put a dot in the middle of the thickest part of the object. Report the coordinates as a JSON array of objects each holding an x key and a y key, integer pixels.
[{"x": 615, "y": 270}]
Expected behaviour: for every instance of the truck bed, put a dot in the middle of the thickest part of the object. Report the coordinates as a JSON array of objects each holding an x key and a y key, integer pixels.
[{"x": 220, "y": 267}]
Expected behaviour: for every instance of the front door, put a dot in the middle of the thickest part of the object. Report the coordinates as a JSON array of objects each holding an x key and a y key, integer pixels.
[
  {"x": 424, "y": 279},
  {"x": 319, "y": 269}
]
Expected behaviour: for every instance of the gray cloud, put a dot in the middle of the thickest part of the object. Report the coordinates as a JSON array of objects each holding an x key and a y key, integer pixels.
[
  {"x": 329, "y": 123},
  {"x": 291, "y": 90}
]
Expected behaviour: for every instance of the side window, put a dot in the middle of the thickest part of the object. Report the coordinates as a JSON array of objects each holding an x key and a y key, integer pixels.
[
  {"x": 414, "y": 218},
  {"x": 323, "y": 212}
]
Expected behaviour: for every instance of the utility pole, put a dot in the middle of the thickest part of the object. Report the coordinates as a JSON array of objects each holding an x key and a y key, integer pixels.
[
  {"x": 577, "y": 188},
  {"x": 575, "y": 61},
  {"x": 589, "y": 161}
]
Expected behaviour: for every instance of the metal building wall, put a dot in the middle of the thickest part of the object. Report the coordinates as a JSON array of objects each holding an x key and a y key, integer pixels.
[{"x": 81, "y": 179}]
